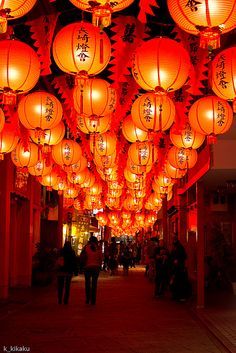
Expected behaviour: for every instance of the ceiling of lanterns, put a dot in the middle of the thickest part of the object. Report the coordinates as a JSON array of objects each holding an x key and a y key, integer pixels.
[{"x": 122, "y": 136}]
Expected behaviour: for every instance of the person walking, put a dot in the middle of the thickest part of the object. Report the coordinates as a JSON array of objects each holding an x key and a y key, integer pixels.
[
  {"x": 92, "y": 266},
  {"x": 66, "y": 267}
]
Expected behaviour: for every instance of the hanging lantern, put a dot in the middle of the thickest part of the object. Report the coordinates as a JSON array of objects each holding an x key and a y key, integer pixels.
[
  {"x": 12, "y": 9},
  {"x": 163, "y": 180},
  {"x": 131, "y": 177},
  {"x": 186, "y": 137},
  {"x": 105, "y": 161},
  {"x": 161, "y": 190},
  {"x": 66, "y": 153},
  {"x": 137, "y": 185},
  {"x": 102, "y": 218},
  {"x": 161, "y": 64},
  {"x": 78, "y": 178},
  {"x": 8, "y": 140},
  {"x": 138, "y": 169},
  {"x": 131, "y": 132},
  {"x": 89, "y": 181},
  {"x": 103, "y": 144},
  {"x": 80, "y": 48},
  {"x": 155, "y": 200},
  {"x": 19, "y": 69},
  {"x": 153, "y": 111},
  {"x": 40, "y": 111},
  {"x": 22, "y": 157},
  {"x": 143, "y": 153},
  {"x": 81, "y": 165},
  {"x": 101, "y": 10},
  {"x": 40, "y": 168},
  {"x": 96, "y": 189},
  {"x": 2, "y": 119},
  {"x": 78, "y": 204},
  {"x": 114, "y": 192},
  {"x": 90, "y": 125},
  {"x": 67, "y": 203},
  {"x": 115, "y": 185},
  {"x": 70, "y": 193},
  {"x": 49, "y": 180},
  {"x": 94, "y": 97},
  {"x": 223, "y": 75},
  {"x": 205, "y": 18},
  {"x": 49, "y": 137},
  {"x": 61, "y": 185},
  {"x": 172, "y": 172},
  {"x": 138, "y": 193},
  {"x": 182, "y": 158},
  {"x": 211, "y": 115},
  {"x": 113, "y": 202}
]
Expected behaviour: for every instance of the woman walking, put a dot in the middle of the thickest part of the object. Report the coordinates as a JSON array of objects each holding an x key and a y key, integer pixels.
[{"x": 92, "y": 265}]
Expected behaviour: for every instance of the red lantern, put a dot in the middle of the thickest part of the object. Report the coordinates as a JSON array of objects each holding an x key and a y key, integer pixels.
[
  {"x": 79, "y": 177},
  {"x": 49, "y": 137},
  {"x": 210, "y": 115},
  {"x": 8, "y": 140},
  {"x": 70, "y": 193},
  {"x": 19, "y": 68},
  {"x": 105, "y": 161},
  {"x": 40, "y": 168},
  {"x": 101, "y": 10},
  {"x": 78, "y": 204},
  {"x": 153, "y": 111},
  {"x": 81, "y": 165},
  {"x": 22, "y": 157},
  {"x": 182, "y": 158},
  {"x": 81, "y": 47},
  {"x": 223, "y": 74},
  {"x": 94, "y": 124},
  {"x": 174, "y": 173},
  {"x": 94, "y": 97},
  {"x": 161, "y": 64},
  {"x": 12, "y": 9},
  {"x": 186, "y": 137},
  {"x": 207, "y": 18},
  {"x": 143, "y": 153},
  {"x": 40, "y": 110},
  {"x": 103, "y": 144},
  {"x": 2, "y": 119},
  {"x": 66, "y": 153},
  {"x": 131, "y": 132},
  {"x": 138, "y": 169},
  {"x": 49, "y": 180}
]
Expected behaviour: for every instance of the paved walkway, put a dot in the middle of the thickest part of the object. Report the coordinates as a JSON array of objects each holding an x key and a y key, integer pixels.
[{"x": 126, "y": 319}]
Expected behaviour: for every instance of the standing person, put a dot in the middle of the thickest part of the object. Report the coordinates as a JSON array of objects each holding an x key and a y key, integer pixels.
[
  {"x": 66, "y": 267},
  {"x": 162, "y": 269},
  {"x": 93, "y": 262},
  {"x": 113, "y": 254}
]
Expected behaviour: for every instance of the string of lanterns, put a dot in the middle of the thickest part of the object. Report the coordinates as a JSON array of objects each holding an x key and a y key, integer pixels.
[{"x": 126, "y": 172}]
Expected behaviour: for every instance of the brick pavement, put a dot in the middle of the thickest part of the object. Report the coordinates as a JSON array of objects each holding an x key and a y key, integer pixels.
[{"x": 126, "y": 319}]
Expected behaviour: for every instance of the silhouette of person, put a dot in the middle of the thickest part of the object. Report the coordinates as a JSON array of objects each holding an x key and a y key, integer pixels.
[
  {"x": 91, "y": 269},
  {"x": 67, "y": 266}
]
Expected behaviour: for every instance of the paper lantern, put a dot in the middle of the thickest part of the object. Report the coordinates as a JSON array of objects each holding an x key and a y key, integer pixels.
[
  {"x": 94, "y": 124},
  {"x": 103, "y": 144},
  {"x": 105, "y": 161},
  {"x": 182, "y": 158},
  {"x": 143, "y": 153},
  {"x": 131, "y": 177},
  {"x": 61, "y": 185},
  {"x": 81, "y": 48},
  {"x": 49, "y": 180},
  {"x": 172, "y": 172},
  {"x": 210, "y": 115},
  {"x": 161, "y": 64},
  {"x": 78, "y": 178},
  {"x": 94, "y": 97},
  {"x": 96, "y": 189},
  {"x": 114, "y": 192},
  {"x": 89, "y": 181},
  {"x": 101, "y": 10},
  {"x": 153, "y": 112},
  {"x": 131, "y": 132},
  {"x": 2, "y": 119},
  {"x": 12, "y": 9},
  {"x": 205, "y": 18},
  {"x": 19, "y": 68},
  {"x": 78, "y": 204},
  {"x": 40, "y": 110},
  {"x": 186, "y": 137},
  {"x": 102, "y": 218},
  {"x": 223, "y": 74},
  {"x": 8, "y": 140},
  {"x": 40, "y": 168},
  {"x": 23, "y": 157},
  {"x": 138, "y": 169},
  {"x": 66, "y": 153},
  {"x": 49, "y": 137},
  {"x": 70, "y": 193},
  {"x": 163, "y": 180},
  {"x": 81, "y": 165}
]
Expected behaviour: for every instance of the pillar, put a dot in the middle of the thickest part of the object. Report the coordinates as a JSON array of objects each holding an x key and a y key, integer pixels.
[
  {"x": 5, "y": 186},
  {"x": 200, "y": 247}
]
